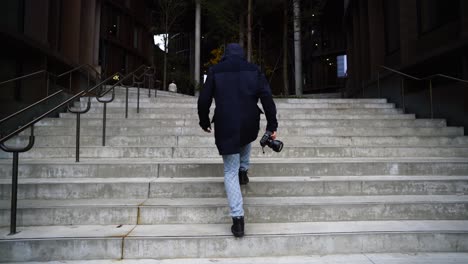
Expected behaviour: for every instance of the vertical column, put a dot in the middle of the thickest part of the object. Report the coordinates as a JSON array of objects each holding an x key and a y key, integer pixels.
[
  {"x": 357, "y": 49},
  {"x": 88, "y": 23},
  {"x": 36, "y": 19},
  {"x": 97, "y": 32},
  {"x": 70, "y": 33},
  {"x": 297, "y": 47},
  {"x": 464, "y": 19},
  {"x": 364, "y": 38},
  {"x": 376, "y": 36},
  {"x": 408, "y": 30},
  {"x": 197, "y": 43}
]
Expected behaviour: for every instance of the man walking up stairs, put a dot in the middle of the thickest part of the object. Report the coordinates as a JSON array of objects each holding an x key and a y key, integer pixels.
[{"x": 356, "y": 177}]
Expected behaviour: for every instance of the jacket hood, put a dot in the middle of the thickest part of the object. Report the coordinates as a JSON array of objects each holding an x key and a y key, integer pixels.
[{"x": 234, "y": 49}]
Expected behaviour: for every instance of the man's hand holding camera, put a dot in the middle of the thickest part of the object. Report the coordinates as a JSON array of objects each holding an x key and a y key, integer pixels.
[{"x": 269, "y": 139}]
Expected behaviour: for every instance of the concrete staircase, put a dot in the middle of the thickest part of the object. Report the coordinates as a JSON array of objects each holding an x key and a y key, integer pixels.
[{"x": 355, "y": 176}]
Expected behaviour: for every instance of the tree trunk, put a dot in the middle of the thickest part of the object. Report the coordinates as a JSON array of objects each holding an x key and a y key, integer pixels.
[
  {"x": 249, "y": 31},
  {"x": 197, "y": 47},
  {"x": 297, "y": 48},
  {"x": 164, "y": 86},
  {"x": 285, "y": 49}
]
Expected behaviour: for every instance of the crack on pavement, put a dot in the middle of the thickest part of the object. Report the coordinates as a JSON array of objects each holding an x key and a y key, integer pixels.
[{"x": 369, "y": 258}]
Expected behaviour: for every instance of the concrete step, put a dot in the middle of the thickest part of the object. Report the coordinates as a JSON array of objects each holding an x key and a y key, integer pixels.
[
  {"x": 312, "y": 186},
  {"x": 305, "y": 209},
  {"x": 133, "y": 97},
  {"x": 120, "y": 94},
  {"x": 381, "y": 258},
  {"x": 281, "y": 112},
  {"x": 140, "y": 188},
  {"x": 283, "y": 123},
  {"x": 203, "y": 141},
  {"x": 280, "y": 116},
  {"x": 283, "y": 133},
  {"x": 215, "y": 240},
  {"x": 212, "y": 167},
  {"x": 87, "y": 188},
  {"x": 72, "y": 212},
  {"x": 325, "y": 167},
  {"x": 279, "y": 105},
  {"x": 257, "y": 152},
  {"x": 257, "y": 210}
]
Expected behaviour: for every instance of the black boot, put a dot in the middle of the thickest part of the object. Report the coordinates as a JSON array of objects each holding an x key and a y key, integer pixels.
[
  {"x": 237, "y": 227},
  {"x": 243, "y": 179}
]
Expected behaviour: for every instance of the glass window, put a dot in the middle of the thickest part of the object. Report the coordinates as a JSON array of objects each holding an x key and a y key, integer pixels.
[
  {"x": 392, "y": 25},
  {"x": 435, "y": 13},
  {"x": 342, "y": 63}
]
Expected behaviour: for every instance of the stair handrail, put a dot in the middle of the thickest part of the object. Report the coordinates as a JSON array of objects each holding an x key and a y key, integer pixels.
[
  {"x": 37, "y": 119},
  {"x": 426, "y": 78},
  {"x": 136, "y": 80},
  {"x": 17, "y": 150},
  {"x": 77, "y": 68},
  {"x": 47, "y": 73},
  {"x": 23, "y": 77},
  {"x": 56, "y": 76},
  {"x": 30, "y": 106},
  {"x": 120, "y": 81}
]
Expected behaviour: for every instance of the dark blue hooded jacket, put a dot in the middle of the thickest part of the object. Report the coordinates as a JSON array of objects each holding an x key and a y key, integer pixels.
[{"x": 236, "y": 86}]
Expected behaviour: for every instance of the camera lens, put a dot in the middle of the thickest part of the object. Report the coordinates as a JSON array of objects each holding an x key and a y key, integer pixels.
[{"x": 276, "y": 145}]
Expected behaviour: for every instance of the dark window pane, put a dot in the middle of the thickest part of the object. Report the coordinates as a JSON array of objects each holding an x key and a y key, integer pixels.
[
  {"x": 392, "y": 25},
  {"x": 435, "y": 13}
]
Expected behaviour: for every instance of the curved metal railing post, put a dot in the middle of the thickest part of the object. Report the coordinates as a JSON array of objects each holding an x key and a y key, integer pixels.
[
  {"x": 431, "y": 102},
  {"x": 14, "y": 185},
  {"x": 138, "y": 98},
  {"x": 70, "y": 83},
  {"x": 78, "y": 113},
  {"x": 104, "y": 114},
  {"x": 403, "y": 94},
  {"x": 378, "y": 84},
  {"x": 126, "y": 101}
]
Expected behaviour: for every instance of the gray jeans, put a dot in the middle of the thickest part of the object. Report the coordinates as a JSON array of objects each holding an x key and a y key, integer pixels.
[{"x": 232, "y": 164}]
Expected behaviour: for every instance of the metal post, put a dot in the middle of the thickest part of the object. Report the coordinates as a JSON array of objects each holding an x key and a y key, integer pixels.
[
  {"x": 14, "y": 194},
  {"x": 403, "y": 94},
  {"x": 77, "y": 150},
  {"x": 55, "y": 82},
  {"x": 149, "y": 90},
  {"x": 430, "y": 96},
  {"x": 378, "y": 84},
  {"x": 70, "y": 84},
  {"x": 47, "y": 81},
  {"x": 126, "y": 101},
  {"x": 104, "y": 125},
  {"x": 138, "y": 98}
]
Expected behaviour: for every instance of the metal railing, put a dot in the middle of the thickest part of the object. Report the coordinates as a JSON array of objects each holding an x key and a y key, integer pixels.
[
  {"x": 427, "y": 78},
  {"x": 78, "y": 68},
  {"x": 16, "y": 150},
  {"x": 57, "y": 76}
]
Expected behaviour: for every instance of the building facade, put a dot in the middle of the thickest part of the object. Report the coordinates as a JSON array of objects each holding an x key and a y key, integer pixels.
[
  {"x": 416, "y": 37},
  {"x": 324, "y": 47},
  {"x": 58, "y": 35}
]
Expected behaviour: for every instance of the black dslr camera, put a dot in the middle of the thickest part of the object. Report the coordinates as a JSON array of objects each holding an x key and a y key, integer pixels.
[{"x": 266, "y": 140}]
